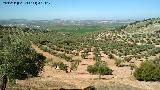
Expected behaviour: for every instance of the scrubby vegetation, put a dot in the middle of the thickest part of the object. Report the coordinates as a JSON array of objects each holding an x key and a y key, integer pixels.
[
  {"x": 60, "y": 65},
  {"x": 67, "y": 58},
  {"x": 84, "y": 55},
  {"x": 75, "y": 64},
  {"x": 99, "y": 68},
  {"x": 18, "y": 60},
  {"x": 125, "y": 45},
  {"x": 118, "y": 62},
  {"x": 148, "y": 71}
]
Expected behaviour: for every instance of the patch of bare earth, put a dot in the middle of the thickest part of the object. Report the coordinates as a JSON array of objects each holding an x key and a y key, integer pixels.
[
  {"x": 49, "y": 56},
  {"x": 50, "y": 78},
  {"x": 82, "y": 67},
  {"x": 124, "y": 75}
]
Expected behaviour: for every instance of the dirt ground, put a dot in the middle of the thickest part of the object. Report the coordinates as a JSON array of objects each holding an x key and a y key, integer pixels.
[{"x": 50, "y": 78}]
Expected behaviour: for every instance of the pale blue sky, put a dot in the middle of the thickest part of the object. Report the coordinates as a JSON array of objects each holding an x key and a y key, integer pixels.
[{"x": 82, "y": 9}]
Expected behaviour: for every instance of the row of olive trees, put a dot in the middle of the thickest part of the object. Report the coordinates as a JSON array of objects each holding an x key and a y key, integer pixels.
[{"x": 99, "y": 67}]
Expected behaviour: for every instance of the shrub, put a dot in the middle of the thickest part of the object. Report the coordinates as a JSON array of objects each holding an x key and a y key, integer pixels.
[
  {"x": 92, "y": 69},
  {"x": 97, "y": 58},
  {"x": 74, "y": 65},
  {"x": 67, "y": 58},
  {"x": 61, "y": 65},
  {"x": 105, "y": 52},
  {"x": 89, "y": 49},
  {"x": 99, "y": 68},
  {"x": 75, "y": 53},
  {"x": 118, "y": 62},
  {"x": 110, "y": 56},
  {"x": 148, "y": 71},
  {"x": 127, "y": 59},
  {"x": 21, "y": 62},
  {"x": 43, "y": 48},
  {"x": 96, "y": 52},
  {"x": 61, "y": 55},
  {"x": 132, "y": 66},
  {"x": 154, "y": 51},
  {"x": 84, "y": 55},
  {"x": 52, "y": 52},
  {"x": 17, "y": 59},
  {"x": 85, "y": 51}
]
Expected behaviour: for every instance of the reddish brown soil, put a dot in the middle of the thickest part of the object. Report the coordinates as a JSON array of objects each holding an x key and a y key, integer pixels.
[{"x": 81, "y": 78}]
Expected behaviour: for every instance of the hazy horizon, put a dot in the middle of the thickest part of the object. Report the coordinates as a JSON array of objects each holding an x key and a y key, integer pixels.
[
  {"x": 82, "y": 10},
  {"x": 72, "y": 19}
]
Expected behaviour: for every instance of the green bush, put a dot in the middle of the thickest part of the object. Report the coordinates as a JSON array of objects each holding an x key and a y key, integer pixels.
[
  {"x": 67, "y": 58},
  {"x": 61, "y": 65},
  {"x": 132, "y": 66},
  {"x": 110, "y": 56},
  {"x": 92, "y": 69},
  {"x": 97, "y": 58},
  {"x": 17, "y": 59},
  {"x": 105, "y": 52},
  {"x": 43, "y": 48},
  {"x": 52, "y": 52},
  {"x": 84, "y": 55},
  {"x": 154, "y": 51},
  {"x": 99, "y": 68},
  {"x": 60, "y": 55},
  {"x": 85, "y": 51},
  {"x": 75, "y": 64},
  {"x": 127, "y": 59},
  {"x": 21, "y": 61},
  {"x": 118, "y": 62},
  {"x": 148, "y": 71},
  {"x": 75, "y": 53},
  {"x": 97, "y": 52}
]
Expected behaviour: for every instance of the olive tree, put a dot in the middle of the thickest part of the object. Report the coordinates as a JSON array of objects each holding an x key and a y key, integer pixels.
[{"x": 99, "y": 68}]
